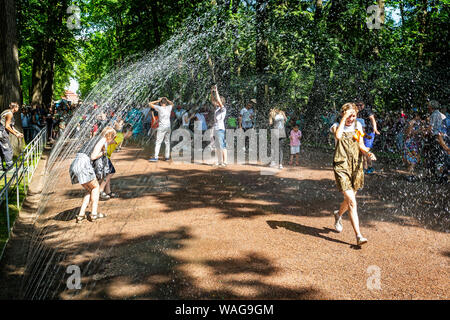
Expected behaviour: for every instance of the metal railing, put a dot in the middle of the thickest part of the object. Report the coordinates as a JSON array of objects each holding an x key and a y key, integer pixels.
[{"x": 22, "y": 169}]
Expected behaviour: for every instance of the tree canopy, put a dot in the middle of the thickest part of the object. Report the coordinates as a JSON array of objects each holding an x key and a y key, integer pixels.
[{"x": 308, "y": 55}]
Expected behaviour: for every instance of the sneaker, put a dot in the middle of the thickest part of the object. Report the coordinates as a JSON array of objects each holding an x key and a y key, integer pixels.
[
  {"x": 153, "y": 160},
  {"x": 223, "y": 164},
  {"x": 272, "y": 164},
  {"x": 281, "y": 166},
  {"x": 337, "y": 221},
  {"x": 360, "y": 240},
  {"x": 104, "y": 196},
  {"x": 166, "y": 159},
  {"x": 370, "y": 170}
]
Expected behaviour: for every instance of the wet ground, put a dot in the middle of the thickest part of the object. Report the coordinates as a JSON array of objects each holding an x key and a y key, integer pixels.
[{"x": 192, "y": 231}]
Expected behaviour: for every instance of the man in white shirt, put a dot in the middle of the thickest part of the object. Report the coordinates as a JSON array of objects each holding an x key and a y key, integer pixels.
[
  {"x": 163, "y": 132},
  {"x": 436, "y": 117},
  {"x": 246, "y": 117}
]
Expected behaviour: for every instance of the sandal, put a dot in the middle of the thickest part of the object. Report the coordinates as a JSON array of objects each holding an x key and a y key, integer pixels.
[
  {"x": 92, "y": 217},
  {"x": 80, "y": 218}
]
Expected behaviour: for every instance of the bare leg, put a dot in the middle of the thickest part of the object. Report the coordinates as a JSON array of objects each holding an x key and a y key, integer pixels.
[
  {"x": 103, "y": 184},
  {"x": 86, "y": 200},
  {"x": 225, "y": 156},
  {"x": 350, "y": 198},
  {"x": 94, "y": 196},
  {"x": 107, "y": 187}
]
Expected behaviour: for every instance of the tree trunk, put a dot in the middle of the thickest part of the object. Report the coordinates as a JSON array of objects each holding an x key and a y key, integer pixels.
[
  {"x": 155, "y": 12},
  {"x": 422, "y": 27},
  {"x": 376, "y": 49},
  {"x": 262, "y": 54},
  {"x": 36, "y": 77},
  {"x": 9, "y": 55},
  {"x": 48, "y": 73}
]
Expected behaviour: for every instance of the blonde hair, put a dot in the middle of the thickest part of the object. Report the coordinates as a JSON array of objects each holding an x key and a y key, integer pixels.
[
  {"x": 348, "y": 106},
  {"x": 273, "y": 113},
  {"x": 109, "y": 133}
]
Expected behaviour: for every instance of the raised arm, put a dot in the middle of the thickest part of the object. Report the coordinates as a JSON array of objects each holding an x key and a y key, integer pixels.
[
  {"x": 340, "y": 129},
  {"x": 374, "y": 124},
  {"x": 152, "y": 103},
  {"x": 215, "y": 96}
]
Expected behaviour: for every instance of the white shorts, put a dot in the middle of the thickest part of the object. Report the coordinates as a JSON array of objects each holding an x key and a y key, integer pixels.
[{"x": 295, "y": 149}]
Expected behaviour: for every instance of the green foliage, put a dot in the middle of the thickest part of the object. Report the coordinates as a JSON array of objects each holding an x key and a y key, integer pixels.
[{"x": 315, "y": 61}]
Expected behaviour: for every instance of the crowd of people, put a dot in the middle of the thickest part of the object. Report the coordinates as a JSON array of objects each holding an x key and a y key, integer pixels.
[
  {"x": 420, "y": 138},
  {"x": 35, "y": 117},
  {"x": 355, "y": 131}
]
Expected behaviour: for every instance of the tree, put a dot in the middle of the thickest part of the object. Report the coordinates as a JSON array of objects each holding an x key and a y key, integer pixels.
[{"x": 10, "y": 90}]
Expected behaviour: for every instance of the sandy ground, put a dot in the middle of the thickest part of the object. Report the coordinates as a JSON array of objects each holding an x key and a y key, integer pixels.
[{"x": 192, "y": 231}]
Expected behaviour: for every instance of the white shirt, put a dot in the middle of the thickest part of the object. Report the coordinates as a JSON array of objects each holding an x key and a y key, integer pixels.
[
  {"x": 246, "y": 120},
  {"x": 219, "y": 118},
  {"x": 279, "y": 121},
  {"x": 164, "y": 115},
  {"x": 185, "y": 119},
  {"x": 350, "y": 128},
  {"x": 202, "y": 119}
]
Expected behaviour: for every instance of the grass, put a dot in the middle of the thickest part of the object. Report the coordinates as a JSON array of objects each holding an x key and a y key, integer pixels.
[
  {"x": 12, "y": 205},
  {"x": 13, "y": 212}
]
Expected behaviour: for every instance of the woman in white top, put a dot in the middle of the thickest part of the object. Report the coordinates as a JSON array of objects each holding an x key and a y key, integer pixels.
[
  {"x": 278, "y": 118},
  {"x": 7, "y": 127},
  {"x": 219, "y": 126}
]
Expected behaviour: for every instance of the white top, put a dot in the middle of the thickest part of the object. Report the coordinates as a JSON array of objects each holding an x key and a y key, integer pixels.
[
  {"x": 219, "y": 118},
  {"x": 202, "y": 119},
  {"x": 279, "y": 121},
  {"x": 185, "y": 119},
  {"x": 348, "y": 128},
  {"x": 246, "y": 120},
  {"x": 3, "y": 116},
  {"x": 436, "y": 121},
  {"x": 164, "y": 115}
]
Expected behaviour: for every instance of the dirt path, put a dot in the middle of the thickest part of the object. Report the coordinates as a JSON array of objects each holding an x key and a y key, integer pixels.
[{"x": 193, "y": 231}]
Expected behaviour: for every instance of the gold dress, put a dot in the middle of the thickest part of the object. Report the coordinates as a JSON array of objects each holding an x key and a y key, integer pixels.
[{"x": 348, "y": 163}]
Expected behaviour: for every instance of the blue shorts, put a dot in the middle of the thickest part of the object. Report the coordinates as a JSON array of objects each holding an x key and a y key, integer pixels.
[
  {"x": 220, "y": 139},
  {"x": 369, "y": 138}
]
